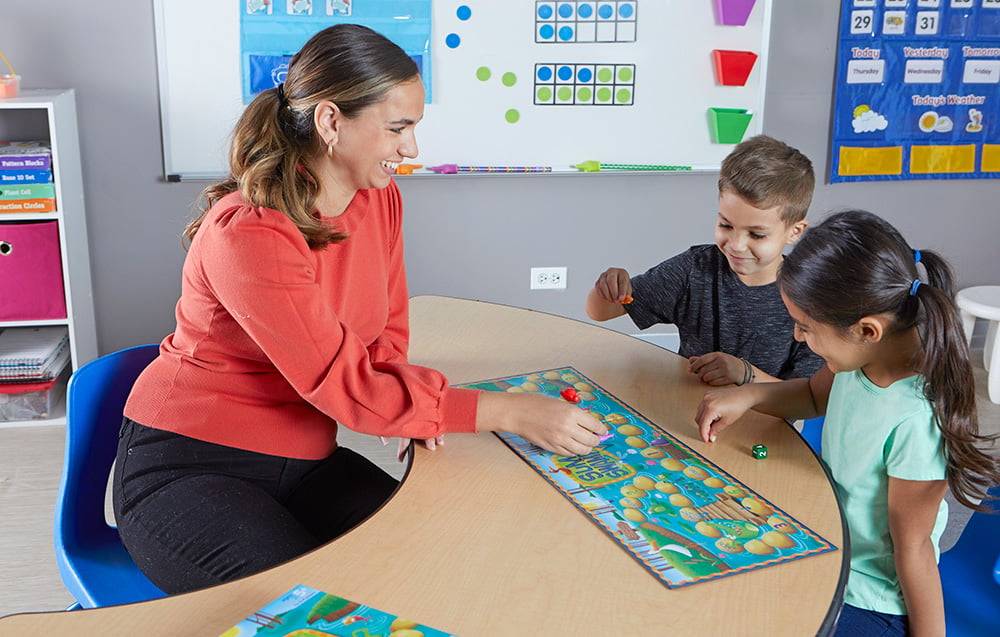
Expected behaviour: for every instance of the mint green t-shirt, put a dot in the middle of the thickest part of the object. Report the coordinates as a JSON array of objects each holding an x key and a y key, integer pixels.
[{"x": 871, "y": 433}]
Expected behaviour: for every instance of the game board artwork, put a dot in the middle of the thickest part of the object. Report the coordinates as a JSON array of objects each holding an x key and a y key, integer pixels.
[
  {"x": 306, "y": 612},
  {"x": 676, "y": 513}
]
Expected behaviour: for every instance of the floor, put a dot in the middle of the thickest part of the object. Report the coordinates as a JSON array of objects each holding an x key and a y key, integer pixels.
[{"x": 29, "y": 479}]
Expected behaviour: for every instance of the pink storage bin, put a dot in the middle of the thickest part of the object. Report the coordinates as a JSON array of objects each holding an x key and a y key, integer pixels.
[{"x": 31, "y": 283}]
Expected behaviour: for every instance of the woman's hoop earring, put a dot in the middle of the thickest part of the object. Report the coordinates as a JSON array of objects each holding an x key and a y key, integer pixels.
[{"x": 329, "y": 149}]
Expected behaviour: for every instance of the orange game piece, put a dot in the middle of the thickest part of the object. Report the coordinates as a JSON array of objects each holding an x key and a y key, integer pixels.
[
  {"x": 407, "y": 169},
  {"x": 628, "y": 299}
]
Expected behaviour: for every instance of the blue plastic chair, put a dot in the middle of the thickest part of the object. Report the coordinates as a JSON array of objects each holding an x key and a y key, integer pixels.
[
  {"x": 970, "y": 577},
  {"x": 812, "y": 431},
  {"x": 92, "y": 560}
]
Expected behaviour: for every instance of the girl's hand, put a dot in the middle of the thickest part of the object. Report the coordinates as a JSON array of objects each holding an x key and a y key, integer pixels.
[
  {"x": 716, "y": 368},
  {"x": 614, "y": 285},
  {"x": 721, "y": 408},
  {"x": 551, "y": 423}
]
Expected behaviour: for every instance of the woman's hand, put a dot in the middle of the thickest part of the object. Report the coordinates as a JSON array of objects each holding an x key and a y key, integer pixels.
[
  {"x": 717, "y": 369},
  {"x": 551, "y": 423},
  {"x": 404, "y": 445},
  {"x": 721, "y": 408}
]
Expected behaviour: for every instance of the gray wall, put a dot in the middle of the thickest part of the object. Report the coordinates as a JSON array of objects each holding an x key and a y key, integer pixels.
[{"x": 472, "y": 237}]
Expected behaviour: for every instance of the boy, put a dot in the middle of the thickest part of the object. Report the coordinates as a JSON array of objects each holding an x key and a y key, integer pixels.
[{"x": 724, "y": 298}]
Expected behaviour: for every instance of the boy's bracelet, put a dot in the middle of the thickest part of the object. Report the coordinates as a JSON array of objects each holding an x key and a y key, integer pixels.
[{"x": 748, "y": 372}]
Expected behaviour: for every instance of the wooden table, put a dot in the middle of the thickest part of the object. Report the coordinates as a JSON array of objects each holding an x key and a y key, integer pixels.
[{"x": 476, "y": 543}]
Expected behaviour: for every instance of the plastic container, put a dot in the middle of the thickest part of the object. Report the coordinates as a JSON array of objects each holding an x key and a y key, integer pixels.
[
  {"x": 732, "y": 68},
  {"x": 728, "y": 125},
  {"x": 733, "y": 12},
  {"x": 32, "y": 401},
  {"x": 10, "y": 86},
  {"x": 31, "y": 281}
]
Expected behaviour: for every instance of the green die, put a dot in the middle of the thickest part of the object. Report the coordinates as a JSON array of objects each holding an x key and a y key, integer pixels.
[{"x": 759, "y": 452}]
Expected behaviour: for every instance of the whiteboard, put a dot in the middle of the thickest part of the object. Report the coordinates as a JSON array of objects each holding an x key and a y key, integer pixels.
[{"x": 666, "y": 123}]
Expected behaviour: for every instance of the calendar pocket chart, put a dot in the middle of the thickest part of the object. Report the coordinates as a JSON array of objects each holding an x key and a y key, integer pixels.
[{"x": 917, "y": 90}]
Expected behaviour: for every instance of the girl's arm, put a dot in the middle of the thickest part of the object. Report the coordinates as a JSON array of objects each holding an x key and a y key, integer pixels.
[
  {"x": 790, "y": 399},
  {"x": 913, "y": 508}
]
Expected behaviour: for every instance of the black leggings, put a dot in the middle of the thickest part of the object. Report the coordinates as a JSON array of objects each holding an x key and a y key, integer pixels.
[{"x": 193, "y": 514}]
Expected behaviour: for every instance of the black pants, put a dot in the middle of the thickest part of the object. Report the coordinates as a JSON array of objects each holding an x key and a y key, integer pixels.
[{"x": 193, "y": 514}]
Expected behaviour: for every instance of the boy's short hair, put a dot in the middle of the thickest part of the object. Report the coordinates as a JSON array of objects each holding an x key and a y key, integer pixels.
[{"x": 766, "y": 173}]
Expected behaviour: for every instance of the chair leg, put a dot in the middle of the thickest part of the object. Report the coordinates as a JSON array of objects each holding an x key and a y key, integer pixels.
[
  {"x": 989, "y": 347},
  {"x": 993, "y": 375},
  {"x": 74, "y": 606},
  {"x": 968, "y": 325}
]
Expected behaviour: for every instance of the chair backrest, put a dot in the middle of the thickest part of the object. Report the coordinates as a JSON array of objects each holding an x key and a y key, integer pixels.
[
  {"x": 971, "y": 591},
  {"x": 94, "y": 402},
  {"x": 92, "y": 561}
]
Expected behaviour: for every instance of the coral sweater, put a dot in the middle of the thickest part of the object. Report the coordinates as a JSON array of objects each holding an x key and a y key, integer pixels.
[{"x": 276, "y": 343}]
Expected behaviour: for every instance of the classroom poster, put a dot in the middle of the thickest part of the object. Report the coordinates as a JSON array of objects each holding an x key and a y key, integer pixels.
[
  {"x": 917, "y": 90},
  {"x": 272, "y": 31}
]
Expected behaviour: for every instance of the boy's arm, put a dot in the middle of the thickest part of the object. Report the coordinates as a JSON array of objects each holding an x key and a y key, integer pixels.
[
  {"x": 600, "y": 309},
  {"x": 913, "y": 509},
  {"x": 719, "y": 368}
]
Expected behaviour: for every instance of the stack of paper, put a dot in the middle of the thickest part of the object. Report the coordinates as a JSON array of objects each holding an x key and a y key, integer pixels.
[{"x": 33, "y": 354}]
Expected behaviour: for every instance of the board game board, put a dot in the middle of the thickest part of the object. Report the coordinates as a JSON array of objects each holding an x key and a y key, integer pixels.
[
  {"x": 680, "y": 516},
  {"x": 307, "y": 612}
]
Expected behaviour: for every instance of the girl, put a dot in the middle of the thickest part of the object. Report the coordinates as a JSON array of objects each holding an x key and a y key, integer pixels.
[{"x": 899, "y": 400}]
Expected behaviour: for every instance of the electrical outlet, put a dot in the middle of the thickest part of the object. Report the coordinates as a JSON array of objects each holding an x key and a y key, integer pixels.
[{"x": 548, "y": 278}]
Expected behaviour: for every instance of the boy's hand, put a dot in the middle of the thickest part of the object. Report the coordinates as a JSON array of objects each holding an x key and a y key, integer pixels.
[
  {"x": 721, "y": 408},
  {"x": 716, "y": 368},
  {"x": 614, "y": 285}
]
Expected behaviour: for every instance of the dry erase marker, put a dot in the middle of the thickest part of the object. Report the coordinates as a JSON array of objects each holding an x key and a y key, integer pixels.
[
  {"x": 596, "y": 166},
  {"x": 452, "y": 169}
]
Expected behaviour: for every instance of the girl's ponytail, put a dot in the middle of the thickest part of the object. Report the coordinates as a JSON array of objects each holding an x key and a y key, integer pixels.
[{"x": 950, "y": 386}]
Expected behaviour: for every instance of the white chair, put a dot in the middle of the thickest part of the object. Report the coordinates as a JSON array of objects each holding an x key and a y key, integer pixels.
[{"x": 984, "y": 302}]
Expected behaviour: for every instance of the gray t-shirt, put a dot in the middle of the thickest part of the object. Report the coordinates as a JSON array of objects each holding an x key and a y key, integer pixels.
[{"x": 753, "y": 321}]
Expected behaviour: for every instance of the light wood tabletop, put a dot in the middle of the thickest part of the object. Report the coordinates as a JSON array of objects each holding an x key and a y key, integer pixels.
[{"x": 476, "y": 543}]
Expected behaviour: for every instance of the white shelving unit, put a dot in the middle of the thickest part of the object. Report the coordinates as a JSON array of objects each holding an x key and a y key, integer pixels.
[{"x": 51, "y": 115}]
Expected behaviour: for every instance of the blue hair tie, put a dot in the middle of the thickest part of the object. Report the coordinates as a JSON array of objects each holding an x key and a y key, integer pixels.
[
  {"x": 914, "y": 287},
  {"x": 916, "y": 256}
]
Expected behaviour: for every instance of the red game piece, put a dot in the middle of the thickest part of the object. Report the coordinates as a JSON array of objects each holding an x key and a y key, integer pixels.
[{"x": 570, "y": 394}]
